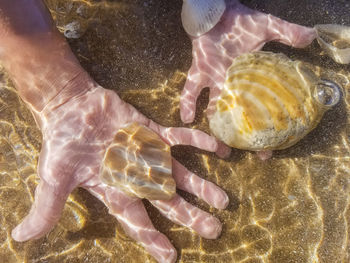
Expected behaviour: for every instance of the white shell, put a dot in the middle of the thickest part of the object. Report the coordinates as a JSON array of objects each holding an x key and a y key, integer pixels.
[
  {"x": 335, "y": 40},
  {"x": 268, "y": 103},
  {"x": 199, "y": 16}
]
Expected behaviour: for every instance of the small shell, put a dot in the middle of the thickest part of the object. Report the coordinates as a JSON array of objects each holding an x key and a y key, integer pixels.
[
  {"x": 268, "y": 102},
  {"x": 139, "y": 163},
  {"x": 335, "y": 40},
  {"x": 199, "y": 16}
]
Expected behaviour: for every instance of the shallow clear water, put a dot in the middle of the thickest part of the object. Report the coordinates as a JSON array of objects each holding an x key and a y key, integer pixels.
[{"x": 291, "y": 208}]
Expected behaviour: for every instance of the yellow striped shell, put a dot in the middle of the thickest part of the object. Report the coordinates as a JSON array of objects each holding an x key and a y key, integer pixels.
[{"x": 270, "y": 102}]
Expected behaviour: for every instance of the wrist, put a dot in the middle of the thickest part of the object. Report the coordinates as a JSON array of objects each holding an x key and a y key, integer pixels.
[
  {"x": 72, "y": 93},
  {"x": 41, "y": 67},
  {"x": 78, "y": 84},
  {"x": 24, "y": 18}
]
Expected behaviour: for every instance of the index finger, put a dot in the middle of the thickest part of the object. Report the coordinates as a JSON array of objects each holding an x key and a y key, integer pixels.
[{"x": 185, "y": 136}]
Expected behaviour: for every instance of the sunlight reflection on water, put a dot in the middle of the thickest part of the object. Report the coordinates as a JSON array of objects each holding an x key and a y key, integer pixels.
[{"x": 291, "y": 208}]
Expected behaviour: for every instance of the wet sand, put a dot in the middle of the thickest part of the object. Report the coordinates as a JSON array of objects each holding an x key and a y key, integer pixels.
[{"x": 291, "y": 208}]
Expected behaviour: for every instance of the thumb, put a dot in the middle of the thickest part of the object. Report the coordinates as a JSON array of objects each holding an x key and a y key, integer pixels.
[
  {"x": 44, "y": 214},
  {"x": 288, "y": 33}
]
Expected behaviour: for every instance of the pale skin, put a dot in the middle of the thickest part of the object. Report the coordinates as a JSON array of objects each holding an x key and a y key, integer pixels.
[
  {"x": 240, "y": 30},
  {"x": 78, "y": 119}
]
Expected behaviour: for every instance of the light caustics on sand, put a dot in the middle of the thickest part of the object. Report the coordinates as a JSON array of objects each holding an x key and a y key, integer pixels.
[
  {"x": 285, "y": 208},
  {"x": 76, "y": 152}
]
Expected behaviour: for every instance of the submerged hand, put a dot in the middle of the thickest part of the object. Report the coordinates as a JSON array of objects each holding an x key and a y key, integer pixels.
[
  {"x": 239, "y": 31},
  {"x": 78, "y": 120},
  {"x": 76, "y": 132}
]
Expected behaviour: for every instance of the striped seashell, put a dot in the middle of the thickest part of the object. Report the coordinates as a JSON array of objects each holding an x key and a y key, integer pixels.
[
  {"x": 139, "y": 163},
  {"x": 270, "y": 102}
]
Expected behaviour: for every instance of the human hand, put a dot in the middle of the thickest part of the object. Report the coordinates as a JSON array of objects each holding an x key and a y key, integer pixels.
[
  {"x": 76, "y": 132},
  {"x": 239, "y": 31}
]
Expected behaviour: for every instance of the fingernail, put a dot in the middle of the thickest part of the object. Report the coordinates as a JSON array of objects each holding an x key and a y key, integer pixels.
[
  {"x": 223, "y": 151},
  {"x": 172, "y": 257},
  {"x": 213, "y": 145},
  {"x": 264, "y": 155},
  {"x": 224, "y": 200},
  {"x": 187, "y": 117},
  {"x": 15, "y": 234},
  {"x": 214, "y": 228}
]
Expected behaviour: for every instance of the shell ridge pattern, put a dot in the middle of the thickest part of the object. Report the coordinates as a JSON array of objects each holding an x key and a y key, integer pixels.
[
  {"x": 282, "y": 94},
  {"x": 270, "y": 72},
  {"x": 266, "y": 102},
  {"x": 276, "y": 108}
]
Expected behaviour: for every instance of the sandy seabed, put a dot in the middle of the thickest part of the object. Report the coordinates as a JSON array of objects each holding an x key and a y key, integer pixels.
[{"x": 291, "y": 208}]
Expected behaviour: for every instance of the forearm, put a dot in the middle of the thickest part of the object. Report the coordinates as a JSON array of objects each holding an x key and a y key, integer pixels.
[{"x": 36, "y": 56}]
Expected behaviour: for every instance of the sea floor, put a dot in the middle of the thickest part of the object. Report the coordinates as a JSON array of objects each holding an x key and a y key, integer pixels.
[{"x": 291, "y": 208}]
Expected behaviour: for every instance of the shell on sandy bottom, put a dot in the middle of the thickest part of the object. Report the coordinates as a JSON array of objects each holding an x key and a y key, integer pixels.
[
  {"x": 335, "y": 41},
  {"x": 200, "y": 16},
  {"x": 139, "y": 163},
  {"x": 270, "y": 102}
]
